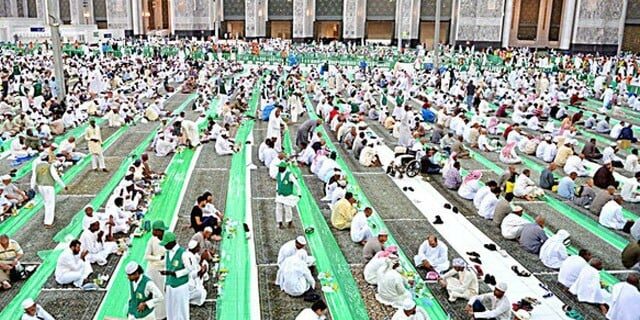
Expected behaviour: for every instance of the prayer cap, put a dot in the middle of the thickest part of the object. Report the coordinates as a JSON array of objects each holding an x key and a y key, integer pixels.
[
  {"x": 27, "y": 303},
  {"x": 502, "y": 286},
  {"x": 458, "y": 262},
  {"x": 5, "y": 177},
  {"x": 523, "y": 315},
  {"x": 382, "y": 233},
  {"x": 408, "y": 304},
  {"x": 517, "y": 209},
  {"x": 282, "y": 164},
  {"x": 301, "y": 240},
  {"x": 193, "y": 244},
  {"x": 208, "y": 229},
  {"x": 132, "y": 267}
]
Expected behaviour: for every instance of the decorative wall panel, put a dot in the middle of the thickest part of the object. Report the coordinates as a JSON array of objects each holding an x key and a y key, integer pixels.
[
  {"x": 598, "y": 22},
  {"x": 330, "y": 9},
  {"x": 354, "y": 19},
  {"x": 119, "y": 14},
  {"x": 480, "y": 20},
  {"x": 303, "y": 18},
  {"x": 407, "y": 19}
]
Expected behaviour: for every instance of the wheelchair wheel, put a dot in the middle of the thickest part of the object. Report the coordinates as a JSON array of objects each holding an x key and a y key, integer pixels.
[{"x": 413, "y": 168}]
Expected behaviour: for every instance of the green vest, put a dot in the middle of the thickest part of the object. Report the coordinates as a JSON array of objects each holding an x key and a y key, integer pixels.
[
  {"x": 43, "y": 175},
  {"x": 285, "y": 186},
  {"x": 138, "y": 296},
  {"x": 176, "y": 264},
  {"x": 37, "y": 89}
]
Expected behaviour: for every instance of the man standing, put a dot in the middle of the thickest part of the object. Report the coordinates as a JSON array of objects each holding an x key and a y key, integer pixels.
[
  {"x": 94, "y": 142},
  {"x": 305, "y": 130},
  {"x": 45, "y": 175},
  {"x": 155, "y": 262},
  {"x": 275, "y": 126},
  {"x": 145, "y": 295},
  {"x": 286, "y": 196},
  {"x": 177, "y": 268}
]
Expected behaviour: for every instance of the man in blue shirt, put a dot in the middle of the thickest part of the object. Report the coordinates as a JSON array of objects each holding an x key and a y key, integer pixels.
[{"x": 567, "y": 186}]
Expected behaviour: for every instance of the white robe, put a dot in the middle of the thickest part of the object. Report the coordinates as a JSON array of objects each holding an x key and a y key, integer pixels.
[
  {"x": 437, "y": 257},
  {"x": 392, "y": 289},
  {"x": 480, "y": 195},
  {"x": 419, "y": 315},
  {"x": 308, "y": 314},
  {"x": 553, "y": 251},
  {"x": 575, "y": 164},
  {"x": 360, "y": 230},
  {"x": 41, "y": 314},
  {"x": 71, "y": 269},
  {"x": 191, "y": 132},
  {"x": 294, "y": 276},
  {"x": 488, "y": 206},
  {"x": 611, "y": 216},
  {"x": 587, "y": 287},
  {"x": 570, "y": 269},
  {"x": 177, "y": 299},
  {"x": 374, "y": 268},
  {"x": 154, "y": 255},
  {"x": 98, "y": 251},
  {"x": 288, "y": 249},
  {"x": 625, "y": 304},
  {"x": 469, "y": 189},
  {"x": 274, "y": 130}
]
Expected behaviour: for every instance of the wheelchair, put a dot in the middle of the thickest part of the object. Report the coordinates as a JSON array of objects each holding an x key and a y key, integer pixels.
[{"x": 406, "y": 162}]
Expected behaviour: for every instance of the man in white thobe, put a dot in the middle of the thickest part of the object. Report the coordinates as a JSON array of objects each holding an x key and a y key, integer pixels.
[
  {"x": 360, "y": 231},
  {"x": 294, "y": 276},
  {"x": 575, "y": 163},
  {"x": 587, "y": 286},
  {"x": 198, "y": 274},
  {"x": 191, "y": 132},
  {"x": 392, "y": 287},
  {"x": 460, "y": 282},
  {"x": 44, "y": 175},
  {"x": 33, "y": 311},
  {"x": 93, "y": 241},
  {"x": 410, "y": 311},
  {"x": 94, "y": 142},
  {"x": 512, "y": 224},
  {"x": 291, "y": 247},
  {"x": 374, "y": 268},
  {"x": 71, "y": 266},
  {"x": 316, "y": 312},
  {"x": 154, "y": 255},
  {"x": 571, "y": 267},
  {"x": 494, "y": 305},
  {"x": 554, "y": 251},
  {"x": 624, "y": 300},
  {"x": 432, "y": 255},
  {"x": 177, "y": 268},
  {"x": 274, "y": 127},
  {"x": 143, "y": 299},
  {"x": 611, "y": 214}
]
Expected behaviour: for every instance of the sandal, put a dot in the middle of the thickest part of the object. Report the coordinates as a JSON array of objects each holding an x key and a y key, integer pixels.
[
  {"x": 519, "y": 272},
  {"x": 574, "y": 314},
  {"x": 473, "y": 254}
]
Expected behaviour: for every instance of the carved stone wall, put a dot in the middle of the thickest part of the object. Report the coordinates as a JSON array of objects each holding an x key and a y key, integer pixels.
[
  {"x": 119, "y": 14},
  {"x": 191, "y": 15},
  {"x": 428, "y": 10},
  {"x": 81, "y": 11},
  {"x": 100, "y": 11},
  {"x": 407, "y": 19},
  {"x": 233, "y": 9},
  {"x": 381, "y": 10},
  {"x": 598, "y": 22},
  {"x": 303, "y": 18},
  {"x": 355, "y": 12},
  {"x": 280, "y": 9},
  {"x": 330, "y": 9},
  {"x": 480, "y": 20},
  {"x": 633, "y": 11}
]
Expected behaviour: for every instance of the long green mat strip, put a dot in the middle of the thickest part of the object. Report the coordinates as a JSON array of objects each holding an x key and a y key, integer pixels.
[
  {"x": 162, "y": 208},
  {"x": 234, "y": 292},
  {"x": 25, "y": 214},
  {"x": 345, "y": 302},
  {"x": 423, "y": 295},
  {"x": 33, "y": 286}
]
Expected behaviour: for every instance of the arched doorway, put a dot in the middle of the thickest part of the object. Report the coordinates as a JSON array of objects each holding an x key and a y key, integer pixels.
[{"x": 536, "y": 23}]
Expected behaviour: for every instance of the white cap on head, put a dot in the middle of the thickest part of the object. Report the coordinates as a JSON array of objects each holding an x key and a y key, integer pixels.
[
  {"x": 383, "y": 233},
  {"x": 408, "y": 304},
  {"x": 502, "y": 286},
  {"x": 208, "y": 229},
  {"x": 613, "y": 144},
  {"x": 5, "y": 177},
  {"x": 193, "y": 244},
  {"x": 92, "y": 220},
  {"x": 131, "y": 267},
  {"x": 517, "y": 209},
  {"x": 27, "y": 303},
  {"x": 301, "y": 240}
]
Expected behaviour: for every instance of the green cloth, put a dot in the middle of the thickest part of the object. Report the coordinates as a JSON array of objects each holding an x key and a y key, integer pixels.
[
  {"x": 138, "y": 296},
  {"x": 175, "y": 265},
  {"x": 285, "y": 186},
  {"x": 37, "y": 89},
  {"x": 43, "y": 175}
]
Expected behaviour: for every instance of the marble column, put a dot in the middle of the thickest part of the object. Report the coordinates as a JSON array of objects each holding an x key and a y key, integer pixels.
[
  {"x": 256, "y": 15},
  {"x": 13, "y": 8},
  {"x": 354, "y": 18},
  {"x": 304, "y": 14},
  {"x": 136, "y": 16},
  {"x": 566, "y": 27},
  {"x": 407, "y": 19},
  {"x": 119, "y": 14},
  {"x": 52, "y": 9},
  {"x": 508, "y": 18},
  {"x": 81, "y": 11},
  {"x": 599, "y": 22}
]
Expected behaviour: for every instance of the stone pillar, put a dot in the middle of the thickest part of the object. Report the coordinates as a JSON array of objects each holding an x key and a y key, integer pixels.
[
  {"x": 119, "y": 14},
  {"x": 598, "y": 25},
  {"x": 256, "y": 15},
  {"x": 41, "y": 9},
  {"x": 508, "y": 17},
  {"x": 13, "y": 8},
  {"x": 304, "y": 14},
  {"x": 52, "y": 9},
  {"x": 566, "y": 27},
  {"x": 407, "y": 19},
  {"x": 480, "y": 22},
  {"x": 137, "y": 10},
  {"x": 354, "y": 18},
  {"x": 192, "y": 15},
  {"x": 81, "y": 11}
]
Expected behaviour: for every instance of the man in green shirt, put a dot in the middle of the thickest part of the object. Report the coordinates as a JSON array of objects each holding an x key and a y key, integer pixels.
[
  {"x": 286, "y": 195},
  {"x": 144, "y": 293},
  {"x": 177, "y": 266}
]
